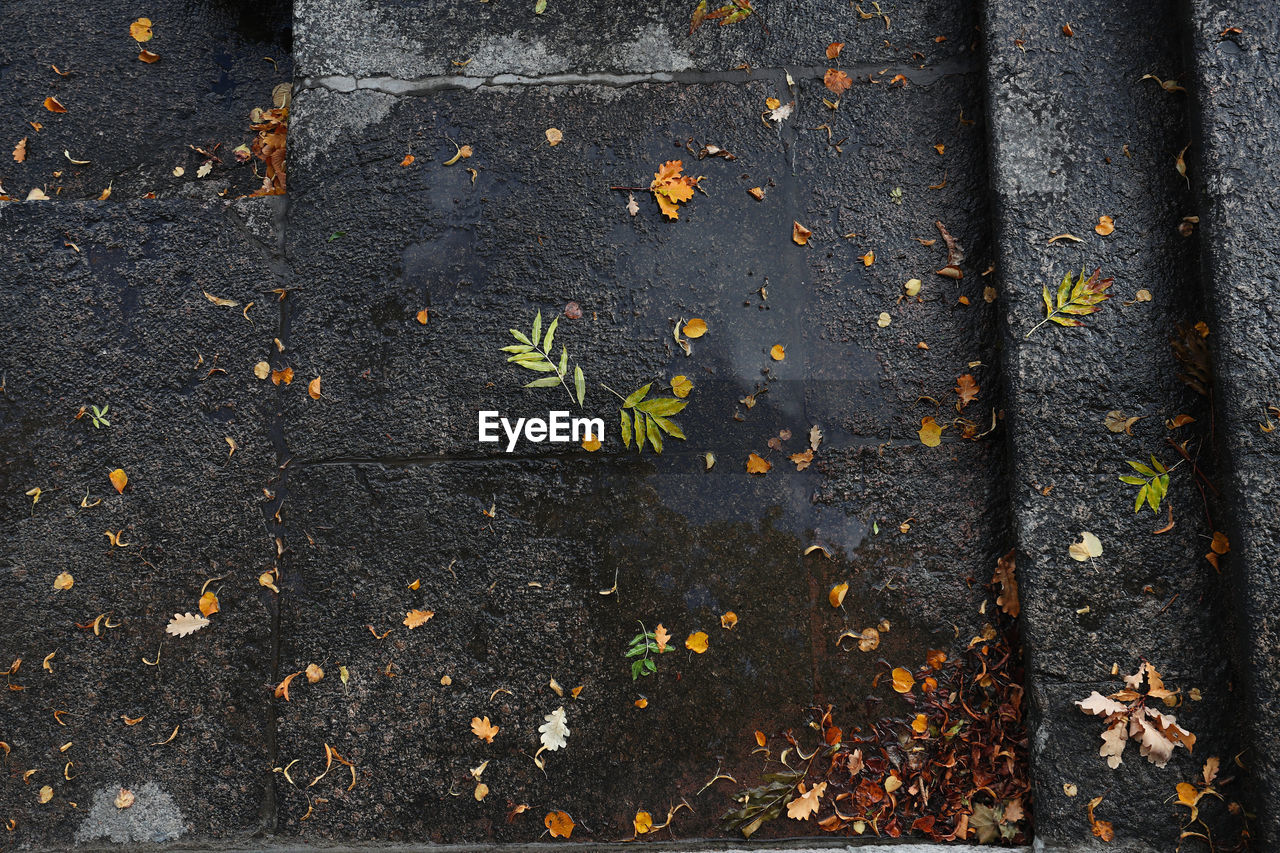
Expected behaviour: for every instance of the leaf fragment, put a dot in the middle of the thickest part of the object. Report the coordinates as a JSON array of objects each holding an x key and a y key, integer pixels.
[{"x": 183, "y": 624}]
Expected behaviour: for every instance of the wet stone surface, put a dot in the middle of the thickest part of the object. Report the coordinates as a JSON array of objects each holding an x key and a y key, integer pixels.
[
  {"x": 102, "y": 305},
  {"x": 134, "y": 122},
  {"x": 388, "y": 485},
  {"x": 1060, "y": 164},
  {"x": 413, "y": 41}
]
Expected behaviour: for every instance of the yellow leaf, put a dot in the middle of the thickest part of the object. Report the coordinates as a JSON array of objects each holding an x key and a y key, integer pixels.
[
  {"x": 554, "y": 136},
  {"x": 1088, "y": 546},
  {"x": 483, "y": 729},
  {"x": 559, "y": 824},
  {"x": 902, "y": 680},
  {"x": 681, "y": 386},
  {"x": 414, "y": 618},
  {"x": 799, "y": 234},
  {"x": 141, "y": 30},
  {"x": 920, "y": 724},
  {"x": 662, "y": 637},
  {"x": 757, "y": 464},
  {"x": 772, "y": 103},
  {"x": 119, "y": 479},
  {"x": 209, "y": 604},
  {"x": 643, "y": 822},
  {"x": 1188, "y": 794},
  {"x": 869, "y": 258},
  {"x": 591, "y": 444},
  {"x": 697, "y": 642},
  {"x": 482, "y": 791},
  {"x": 46, "y": 794},
  {"x": 63, "y": 582},
  {"x": 930, "y": 432},
  {"x": 313, "y": 388},
  {"x": 837, "y": 594},
  {"x": 778, "y": 352},
  {"x": 695, "y": 328},
  {"x": 891, "y": 784},
  {"x": 423, "y": 316}
]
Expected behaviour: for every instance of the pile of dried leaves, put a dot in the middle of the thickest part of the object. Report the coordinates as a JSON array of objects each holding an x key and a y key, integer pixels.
[
  {"x": 269, "y": 147},
  {"x": 953, "y": 768}
]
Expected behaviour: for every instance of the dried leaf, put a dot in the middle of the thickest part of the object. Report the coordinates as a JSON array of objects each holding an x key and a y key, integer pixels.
[
  {"x": 314, "y": 673},
  {"x": 20, "y": 150},
  {"x": 799, "y": 234},
  {"x": 833, "y": 49},
  {"x": 632, "y": 207},
  {"x": 802, "y": 459},
  {"x": 208, "y": 604},
  {"x": 662, "y": 637},
  {"x": 554, "y": 137},
  {"x": 554, "y": 732},
  {"x": 806, "y": 805},
  {"x": 282, "y": 689},
  {"x": 757, "y": 464},
  {"x": 407, "y": 161},
  {"x": 695, "y": 328},
  {"x": 967, "y": 389},
  {"x": 930, "y": 433},
  {"x": 1088, "y": 546},
  {"x": 119, "y": 479},
  {"x": 313, "y": 388},
  {"x": 63, "y": 582},
  {"x": 183, "y": 624},
  {"x": 778, "y": 352},
  {"x": 837, "y": 594},
  {"x": 697, "y": 642},
  {"x": 670, "y": 188},
  {"x": 729, "y": 620},
  {"x": 681, "y": 386},
  {"x": 1006, "y": 577},
  {"x": 416, "y": 618},
  {"x": 559, "y": 824},
  {"x": 483, "y": 729},
  {"x": 141, "y": 30},
  {"x": 837, "y": 81},
  {"x": 643, "y": 822},
  {"x": 902, "y": 680},
  {"x": 219, "y": 301},
  {"x": 1105, "y": 225}
]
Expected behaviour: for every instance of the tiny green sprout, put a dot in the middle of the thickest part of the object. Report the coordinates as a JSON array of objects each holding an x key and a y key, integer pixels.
[
  {"x": 99, "y": 416},
  {"x": 895, "y": 195}
]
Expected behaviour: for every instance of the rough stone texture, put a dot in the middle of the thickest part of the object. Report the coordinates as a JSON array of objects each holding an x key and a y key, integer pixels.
[
  {"x": 1063, "y": 110},
  {"x": 1239, "y": 142},
  {"x": 132, "y": 121},
  {"x": 393, "y": 438},
  {"x": 102, "y": 304},
  {"x": 416, "y": 40}
]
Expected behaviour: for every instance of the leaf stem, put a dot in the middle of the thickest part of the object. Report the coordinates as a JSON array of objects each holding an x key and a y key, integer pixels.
[
  {"x": 559, "y": 375},
  {"x": 1038, "y": 325},
  {"x": 613, "y": 392}
]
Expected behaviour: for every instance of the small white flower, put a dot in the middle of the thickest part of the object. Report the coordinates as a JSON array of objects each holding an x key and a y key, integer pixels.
[{"x": 555, "y": 732}]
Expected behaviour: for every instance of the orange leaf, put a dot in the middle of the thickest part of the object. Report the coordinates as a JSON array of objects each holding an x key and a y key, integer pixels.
[
  {"x": 313, "y": 388},
  {"x": 285, "y": 376},
  {"x": 20, "y": 150},
  {"x": 799, "y": 234},
  {"x": 778, "y": 352},
  {"x": 209, "y": 604},
  {"x": 53, "y": 105},
  {"x": 148, "y": 57},
  {"x": 757, "y": 464},
  {"x": 697, "y": 642},
  {"x": 833, "y": 49},
  {"x": 282, "y": 689},
  {"x": 935, "y": 658},
  {"x": 1105, "y": 225},
  {"x": 837, "y": 594},
  {"x": 559, "y": 824},
  {"x": 920, "y": 724},
  {"x": 119, "y": 479},
  {"x": 414, "y": 618},
  {"x": 662, "y": 637},
  {"x": 483, "y": 729},
  {"x": 423, "y": 316},
  {"x": 761, "y": 740},
  {"x": 407, "y": 161},
  {"x": 802, "y": 459},
  {"x": 902, "y": 680},
  {"x": 729, "y": 620},
  {"x": 967, "y": 389},
  {"x": 643, "y": 822},
  {"x": 837, "y": 81}
]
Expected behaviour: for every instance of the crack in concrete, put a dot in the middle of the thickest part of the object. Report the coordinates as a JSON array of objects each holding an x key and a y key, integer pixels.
[{"x": 391, "y": 85}]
